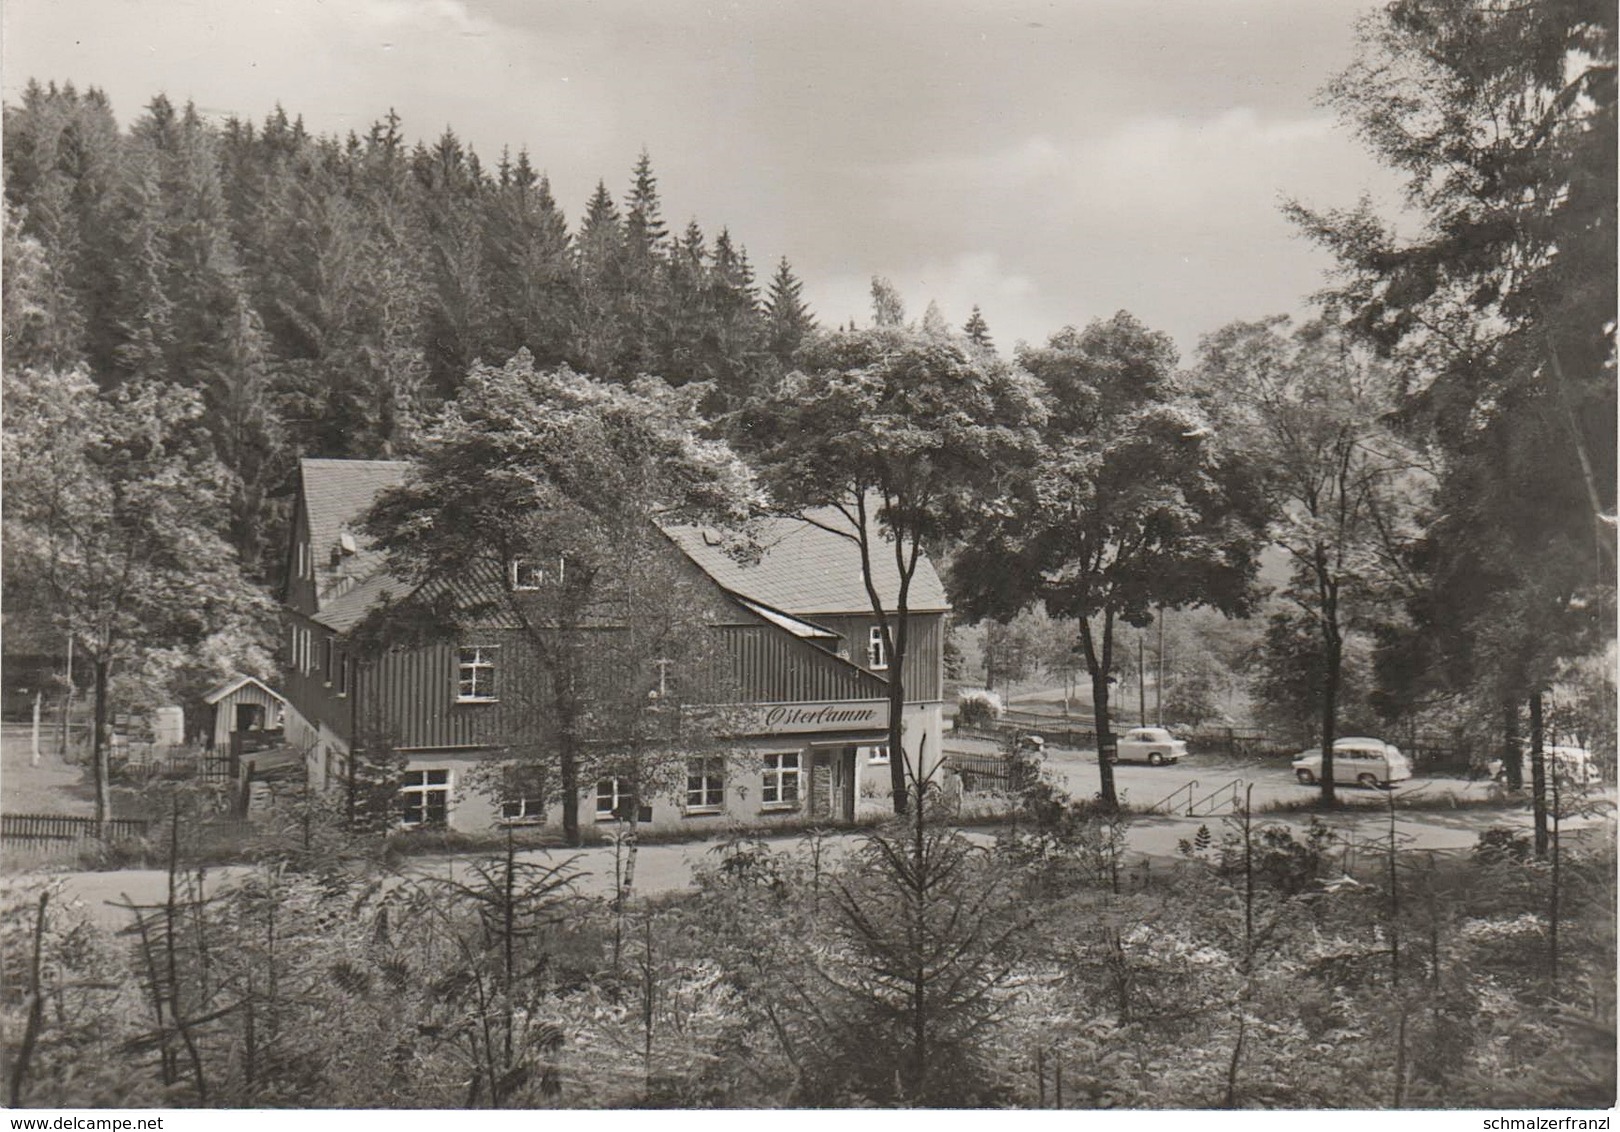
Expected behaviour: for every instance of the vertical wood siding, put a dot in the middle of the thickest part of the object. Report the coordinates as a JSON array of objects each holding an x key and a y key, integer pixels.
[
  {"x": 413, "y": 693},
  {"x": 925, "y": 655},
  {"x": 409, "y": 697},
  {"x": 769, "y": 666}
]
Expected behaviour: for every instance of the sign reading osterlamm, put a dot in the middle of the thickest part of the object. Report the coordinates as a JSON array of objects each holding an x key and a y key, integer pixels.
[
  {"x": 835, "y": 715},
  {"x": 819, "y": 717}
]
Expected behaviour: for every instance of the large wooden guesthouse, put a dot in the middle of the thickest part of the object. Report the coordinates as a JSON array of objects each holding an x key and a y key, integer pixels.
[{"x": 808, "y": 673}]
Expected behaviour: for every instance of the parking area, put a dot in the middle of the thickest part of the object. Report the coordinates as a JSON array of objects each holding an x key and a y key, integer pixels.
[{"x": 1212, "y": 779}]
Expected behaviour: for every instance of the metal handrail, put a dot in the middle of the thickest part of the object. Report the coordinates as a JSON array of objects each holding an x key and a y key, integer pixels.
[
  {"x": 1235, "y": 786},
  {"x": 1185, "y": 788}
]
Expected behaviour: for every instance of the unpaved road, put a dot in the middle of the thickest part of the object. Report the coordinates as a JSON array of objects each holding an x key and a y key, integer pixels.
[
  {"x": 669, "y": 868},
  {"x": 1216, "y": 785}
]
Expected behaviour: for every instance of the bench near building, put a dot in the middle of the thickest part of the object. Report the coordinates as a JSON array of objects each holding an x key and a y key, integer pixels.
[{"x": 808, "y": 677}]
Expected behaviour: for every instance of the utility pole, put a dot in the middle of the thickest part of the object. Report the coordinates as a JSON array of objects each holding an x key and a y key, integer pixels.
[
  {"x": 1141, "y": 683},
  {"x": 1158, "y": 687},
  {"x": 67, "y": 701},
  {"x": 33, "y": 748}
]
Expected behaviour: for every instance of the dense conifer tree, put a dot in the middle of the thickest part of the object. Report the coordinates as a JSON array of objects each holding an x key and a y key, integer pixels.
[
  {"x": 787, "y": 315},
  {"x": 977, "y": 330}
]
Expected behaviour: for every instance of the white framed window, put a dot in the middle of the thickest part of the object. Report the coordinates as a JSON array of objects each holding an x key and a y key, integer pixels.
[
  {"x": 780, "y": 789},
  {"x": 612, "y": 796},
  {"x": 425, "y": 797},
  {"x": 329, "y": 660},
  {"x": 877, "y": 756},
  {"x": 475, "y": 674},
  {"x": 705, "y": 785},
  {"x": 527, "y": 574},
  {"x": 524, "y": 811},
  {"x": 343, "y": 674},
  {"x": 875, "y": 653}
]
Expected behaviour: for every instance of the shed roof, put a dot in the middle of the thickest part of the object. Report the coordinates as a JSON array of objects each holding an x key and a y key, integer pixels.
[{"x": 214, "y": 695}]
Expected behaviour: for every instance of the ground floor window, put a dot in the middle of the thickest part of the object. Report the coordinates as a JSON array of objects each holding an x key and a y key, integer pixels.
[
  {"x": 612, "y": 798},
  {"x": 705, "y": 785},
  {"x": 425, "y": 797},
  {"x": 781, "y": 786},
  {"x": 523, "y": 794},
  {"x": 877, "y": 755},
  {"x": 531, "y": 810}
]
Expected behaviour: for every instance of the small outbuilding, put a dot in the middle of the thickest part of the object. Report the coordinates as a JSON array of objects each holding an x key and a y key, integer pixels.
[{"x": 248, "y": 715}]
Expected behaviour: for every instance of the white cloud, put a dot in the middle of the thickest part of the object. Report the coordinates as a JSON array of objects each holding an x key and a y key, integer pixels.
[{"x": 1174, "y": 218}]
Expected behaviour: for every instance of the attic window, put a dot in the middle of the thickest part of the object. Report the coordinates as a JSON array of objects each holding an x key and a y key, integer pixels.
[
  {"x": 711, "y": 537},
  {"x": 527, "y": 574},
  {"x": 876, "y": 656},
  {"x": 532, "y": 574}
]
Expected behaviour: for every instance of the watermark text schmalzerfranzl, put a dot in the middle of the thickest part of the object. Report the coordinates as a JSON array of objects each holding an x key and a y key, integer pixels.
[
  {"x": 1545, "y": 1123},
  {"x": 86, "y": 1123}
]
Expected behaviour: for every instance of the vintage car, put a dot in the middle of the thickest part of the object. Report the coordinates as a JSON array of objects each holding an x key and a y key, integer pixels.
[
  {"x": 1369, "y": 762},
  {"x": 1152, "y": 745},
  {"x": 1572, "y": 766}
]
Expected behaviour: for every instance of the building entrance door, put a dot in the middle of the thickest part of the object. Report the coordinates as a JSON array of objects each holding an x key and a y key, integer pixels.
[{"x": 841, "y": 783}]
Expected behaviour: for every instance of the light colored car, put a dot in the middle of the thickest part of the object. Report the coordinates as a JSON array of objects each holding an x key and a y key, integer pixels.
[
  {"x": 1368, "y": 762},
  {"x": 1572, "y": 765},
  {"x": 1152, "y": 745}
]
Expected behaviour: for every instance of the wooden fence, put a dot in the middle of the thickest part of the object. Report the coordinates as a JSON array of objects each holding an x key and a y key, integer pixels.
[
  {"x": 148, "y": 761},
  {"x": 26, "y": 828},
  {"x": 989, "y": 774}
]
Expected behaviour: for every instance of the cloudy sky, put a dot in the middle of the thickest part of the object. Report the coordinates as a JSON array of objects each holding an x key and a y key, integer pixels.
[{"x": 1051, "y": 161}]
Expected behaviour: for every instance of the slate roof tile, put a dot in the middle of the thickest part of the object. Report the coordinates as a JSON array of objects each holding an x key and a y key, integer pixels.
[
  {"x": 336, "y": 494},
  {"x": 805, "y": 569},
  {"x": 802, "y": 570}
]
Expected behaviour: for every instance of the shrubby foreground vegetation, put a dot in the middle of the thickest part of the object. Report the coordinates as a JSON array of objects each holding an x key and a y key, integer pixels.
[{"x": 1267, "y": 967}]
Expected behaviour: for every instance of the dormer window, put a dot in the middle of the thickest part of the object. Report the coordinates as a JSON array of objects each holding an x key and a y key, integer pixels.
[
  {"x": 527, "y": 574},
  {"x": 877, "y": 657}
]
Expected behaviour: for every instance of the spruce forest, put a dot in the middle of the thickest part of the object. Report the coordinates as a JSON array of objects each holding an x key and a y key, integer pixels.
[{"x": 325, "y": 295}]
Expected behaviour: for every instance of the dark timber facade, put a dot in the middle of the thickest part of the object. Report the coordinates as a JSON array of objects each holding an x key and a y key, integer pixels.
[{"x": 805, "y": 675}]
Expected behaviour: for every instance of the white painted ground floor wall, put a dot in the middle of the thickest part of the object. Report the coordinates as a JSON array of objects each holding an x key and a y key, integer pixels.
[{"x": 785, "y": 779}]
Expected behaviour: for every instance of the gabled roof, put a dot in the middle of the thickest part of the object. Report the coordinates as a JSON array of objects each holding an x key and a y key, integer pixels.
[
  {"x": 336, "y": 494},
  {"x": 216, "y": 694},
  {"x": 805, "y": 569}
]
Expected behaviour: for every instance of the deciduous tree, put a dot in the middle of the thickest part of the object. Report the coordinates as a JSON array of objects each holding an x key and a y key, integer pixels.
[
  {"x": 1133, "y": 503},
  {"x": 896, "y": 442},
  {"x": 113, "y": 504},
  {"x": 535, "y": 501},
  {"x": 1499, "y": 308},
  {"x": 1342, "y": 489}
]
